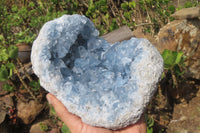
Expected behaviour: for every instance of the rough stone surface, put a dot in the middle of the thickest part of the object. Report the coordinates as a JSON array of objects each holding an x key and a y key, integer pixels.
[
  {"x": 2, "y": 114},
  {"x": 37, "y": 127},
  {"x": 187, "y": 13},
  {"x": 183, "y": 35},
  {"x": 24, "y": 52},
  {"x": 28, "y": 111},
  {"x": 107, "y": 85}
]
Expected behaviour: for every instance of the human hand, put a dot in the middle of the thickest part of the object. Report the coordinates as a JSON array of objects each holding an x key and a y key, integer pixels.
[{"x": 76, "y": 125}]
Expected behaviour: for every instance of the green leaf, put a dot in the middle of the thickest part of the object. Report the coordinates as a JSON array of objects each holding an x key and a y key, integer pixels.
[
  {"x": 150, "y": 122},
  {"x": 31, "y": 4},
  {"x": 127, "y": 15},
  {"x": 44, "y": 126},
  {"x": 13, "y": 51},
  {"x": 3, "y": 54},
  {"x": 163, "y": 75},
  {"x": 10, "y": 65},
  {"x": 14, "y": 8},
  {"x": 52, "y": 110},
  {"x": 91, "y": 8},
  {"x": 125, "y": 6},
  {"x": 8, "y": 87},
  {"x": 179, "y": 57},
  {"x": 35, "y": 86},
  {"x": 3, "y": 74},
  {"x": 172, "y": 9},
  {"x": 169, "y": 58},
  {"x": 132, "y": 4},
  {"x": 188, "y": 4},
  {"x": 149, "y": 130},
  {"x": 148, "y": 1},
  {"x": 65, "y": 129},
  {"x": 103, "y": 2}
]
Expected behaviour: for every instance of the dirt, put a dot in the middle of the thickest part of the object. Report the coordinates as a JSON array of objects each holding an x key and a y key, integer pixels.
[
  {"x": 186, "y": 117},
  {"x": 176, "y": 110}
]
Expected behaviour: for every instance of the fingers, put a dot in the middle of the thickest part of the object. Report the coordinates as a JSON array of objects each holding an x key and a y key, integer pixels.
[
  {"x": 68, "y": 118},
  {"x": 75, "y": 124}
]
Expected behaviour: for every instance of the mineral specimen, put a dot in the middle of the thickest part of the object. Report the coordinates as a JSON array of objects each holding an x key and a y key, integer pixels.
[{"x": 107, "y": 85}]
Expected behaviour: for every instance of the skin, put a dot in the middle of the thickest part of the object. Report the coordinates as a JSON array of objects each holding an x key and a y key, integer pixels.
[{"x": 75, "y": 124}]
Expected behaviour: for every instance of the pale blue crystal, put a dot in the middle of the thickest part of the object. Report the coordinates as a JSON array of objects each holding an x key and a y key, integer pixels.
[{"x": 107, "y": 85}]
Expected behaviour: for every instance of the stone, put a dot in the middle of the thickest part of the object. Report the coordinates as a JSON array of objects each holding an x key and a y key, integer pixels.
[
  {"x": 187, "y": 13},
  {"x": 27, "y": 112},
  {"x": 7, "y": 100},
  {"x": 45, "y": 126},
  {"x": 118, "y": 35},
  {"x": 183, "y": 35},
  {"x": 139, "y": 33},
  {"x": 106, "y": 85},
  {"x": 24, "y": 52},
  {"x": 36, "y": 128},
  {"x": 2, "y": 113}
]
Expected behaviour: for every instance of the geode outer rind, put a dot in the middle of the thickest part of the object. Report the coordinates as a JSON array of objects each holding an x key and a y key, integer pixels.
[{"x": 107, "y": 85}]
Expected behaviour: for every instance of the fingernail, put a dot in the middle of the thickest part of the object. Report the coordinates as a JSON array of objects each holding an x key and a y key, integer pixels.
[{"x": 49, "y": 98}]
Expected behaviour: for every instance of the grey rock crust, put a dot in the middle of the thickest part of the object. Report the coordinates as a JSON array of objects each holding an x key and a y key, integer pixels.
[{"x": 107, "y": 85}]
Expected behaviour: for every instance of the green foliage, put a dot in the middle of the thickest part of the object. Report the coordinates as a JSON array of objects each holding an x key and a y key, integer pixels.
[
  {"x": 172, "y": 58},
  {"x": 3, "y": 74},
  {"x": 8, "y": 87},
  {"x": 20, "y": 22},
  {"x": 125, "y": 6},
  {"x": 150, "y": 123},
  {"x": 8, "y": 53},
  {"x": 12, "y": 51},
  {"x": 52, "y": 110},
  {"x": 191, "y": 3},
  {"x": 132, "y": 4},
  {"x": 172, "y": 9},
  {"x": 161, "y": 10},
  {"x": 6, "y": 71},
  {"x": 100, "y": 9},
  {"x": 35, "y": 85},
  {"x": 44, "y": 127},
  {"x": 174, "y": 64},
  {"x": 188, "y": 4},
  {"x": 65, "y": 129}
]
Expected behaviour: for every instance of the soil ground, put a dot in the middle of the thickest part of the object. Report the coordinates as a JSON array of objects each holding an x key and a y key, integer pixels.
[{"x": 177, "y": 110}]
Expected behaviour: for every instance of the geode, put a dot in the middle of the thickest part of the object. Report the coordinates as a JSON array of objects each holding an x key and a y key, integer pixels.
[{"x": 106, "y": 85}]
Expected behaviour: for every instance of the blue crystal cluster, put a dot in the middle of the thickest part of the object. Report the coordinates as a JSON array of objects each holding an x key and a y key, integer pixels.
[{"x": 107, "y": 85}]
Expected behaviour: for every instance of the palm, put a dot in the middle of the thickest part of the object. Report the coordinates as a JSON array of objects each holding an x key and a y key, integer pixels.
[
  {"x": 76, "y": 125},
  {"x": 84, "y": 128},
  {"x": 90, "y": 129}
]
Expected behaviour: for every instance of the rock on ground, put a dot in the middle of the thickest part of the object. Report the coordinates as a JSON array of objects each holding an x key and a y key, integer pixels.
[
  {"x": 186, "y": 117},
  {"x": 27, "y": 112},
  {"x": 183, "y": 35},
  {"x": 24, "y": 52},
  {"x": 187, "y": 13},
  {"x": 39, "y": 127}
]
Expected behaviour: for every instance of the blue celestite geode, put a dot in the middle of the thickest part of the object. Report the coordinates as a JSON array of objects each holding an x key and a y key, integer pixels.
[{"x": 107, "y": 85}]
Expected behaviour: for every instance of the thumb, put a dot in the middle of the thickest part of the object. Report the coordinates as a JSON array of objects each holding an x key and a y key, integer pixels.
[{"x": 71, "y": 120}]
